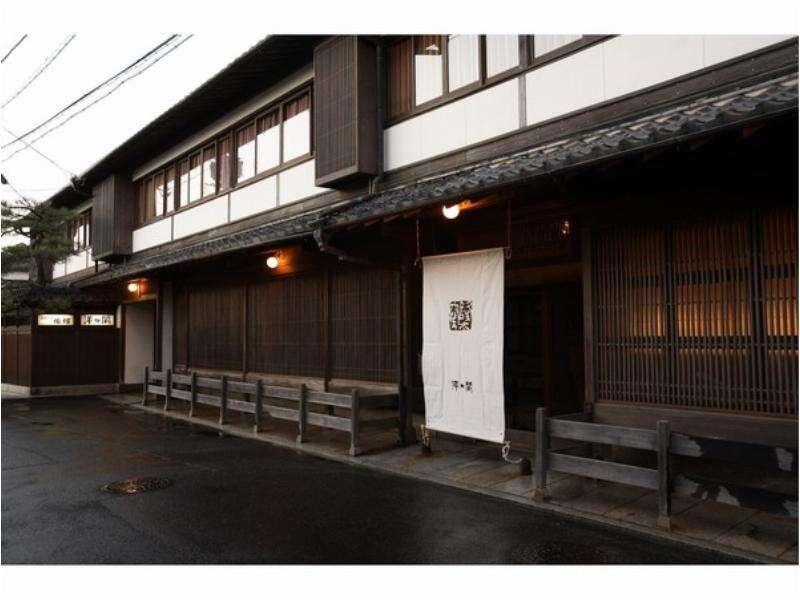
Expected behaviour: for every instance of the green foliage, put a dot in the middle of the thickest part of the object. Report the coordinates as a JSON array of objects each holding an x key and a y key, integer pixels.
[{"x": 44, "y": 226}]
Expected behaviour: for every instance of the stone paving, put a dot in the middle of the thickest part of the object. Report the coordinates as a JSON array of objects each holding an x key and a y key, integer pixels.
[{"x": 477, "y": 466}]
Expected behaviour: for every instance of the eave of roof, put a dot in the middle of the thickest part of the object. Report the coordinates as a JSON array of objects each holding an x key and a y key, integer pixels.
[
  {"x": 683, "y": 120},
  {"x": 267, "y": 62}
]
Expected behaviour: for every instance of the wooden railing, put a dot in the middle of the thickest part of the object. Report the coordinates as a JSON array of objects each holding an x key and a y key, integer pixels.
[
  {"x": 662, "y": 480},
  {"x": 216, "y": 392}
]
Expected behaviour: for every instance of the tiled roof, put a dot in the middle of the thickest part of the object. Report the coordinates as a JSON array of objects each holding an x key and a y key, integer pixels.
[{"x": 666, "y": 126}]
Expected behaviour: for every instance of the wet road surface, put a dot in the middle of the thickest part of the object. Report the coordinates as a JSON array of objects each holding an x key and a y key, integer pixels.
[{"x": 241, "y": 501}]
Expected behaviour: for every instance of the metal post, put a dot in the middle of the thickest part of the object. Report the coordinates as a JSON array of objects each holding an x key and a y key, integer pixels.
[
  {"x": 259, "y": 404},
  {"x": 354, "y": 417},
  {"x": 167, "y": 388},
  {"x": 540, "y": 457},
  {"x": 664, "y": 497},
  {"x": 223, "y": 400},
  {"x": 302, "y": 409},
  {"x": 144, "y": 387},
  {"x": 193, "y": 400}
]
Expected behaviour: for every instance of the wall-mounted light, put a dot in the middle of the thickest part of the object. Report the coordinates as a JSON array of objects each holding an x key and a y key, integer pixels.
[
  {"x": 565, "y": 228},
  {"x": 272, "y": 261},
  {"x": 133, "y": 287},
  {"x": 452, "y": 211}
]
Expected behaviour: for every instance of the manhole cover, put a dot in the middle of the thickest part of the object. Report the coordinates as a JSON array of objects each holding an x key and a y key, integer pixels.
[{"x": 136, "y": 485}]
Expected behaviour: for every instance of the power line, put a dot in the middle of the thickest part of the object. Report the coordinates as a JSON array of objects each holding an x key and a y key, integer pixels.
[
  {"x": 93, "y": 90},
  {"x": 88, "y": 106},
  {"x": 14, "y": 47},
  {"x": 16, "y": 191},
  {"x": 42, "y": 154},
  {"x": 41, "y": 69}
]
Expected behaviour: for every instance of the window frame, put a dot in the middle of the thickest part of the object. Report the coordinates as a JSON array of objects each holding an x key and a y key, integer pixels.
[
  {"x": 526, "y": 63},
  {"x": 277, "y": 106},
  {"x": 80, "y": 222}
]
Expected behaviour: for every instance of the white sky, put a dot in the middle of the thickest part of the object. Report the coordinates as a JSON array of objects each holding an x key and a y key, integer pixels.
[{"x": 89, "y": 59}]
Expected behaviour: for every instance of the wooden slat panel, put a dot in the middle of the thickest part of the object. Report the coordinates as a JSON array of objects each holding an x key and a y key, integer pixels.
[
  {"x": 156, "y": 389},
  {"x": 209, "y": 383},
  {"x": 179, "y": 378},
  {"x": 627, "y": 437},
  {"x": 242, "y": 387},
  {"x": 242, "y": 406},
  {"x": 181, "y": 394},
  {"x": 606, "y": 471},
  {"x": 329, "y": 399},
  {"x": 328, "y": 421},
  {"x": 279, "y": 412},
  {"x": 208, "y": 399},
  {"x": 271, "y": 391}
]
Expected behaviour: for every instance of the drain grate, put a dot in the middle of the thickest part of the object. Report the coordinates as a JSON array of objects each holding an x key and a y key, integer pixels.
[{"x": 137, "y": 485}]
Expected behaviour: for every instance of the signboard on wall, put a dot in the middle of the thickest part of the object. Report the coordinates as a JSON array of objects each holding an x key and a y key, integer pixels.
[
  {"x": 49, "y": 320},
  {"x": 462, "y": 343}
]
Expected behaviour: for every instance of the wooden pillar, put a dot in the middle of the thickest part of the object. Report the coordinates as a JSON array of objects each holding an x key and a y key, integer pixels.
[
  {"x": 223, "y": 400},
  {"x": 167, "y": 388},
  {"x": 259, "y": 406},
  {"x": 144, "y": 387},
  {"x": 664, "y": 496},
  {"x": 540, "y": 457},
  {"x": 588, "y": 319},
  {"x": 354, "y": 417},
  {"x": 402, "y": 400},
  {"x": 193, "y": 401},
  {"x": 302, "y": 410}
]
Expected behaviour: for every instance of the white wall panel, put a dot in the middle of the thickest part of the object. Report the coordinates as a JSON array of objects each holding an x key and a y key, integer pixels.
[
  {"x": 297, "y": 135},
  {"x": 565, "y": 85},
  {"x": 254, "y": 198},
  {"x": 502, "y": 53},
  {"x": 204, "y": 216},
  {"x": 153, "y": 234},
  {"x": 76, "y": 262},
  {"x": 472, "y": 119},
  {"x": 60, "y": 269},
  {"x": 719, "y": 48},
  {"x": 268, "y": 149},
  {"x": 297, "y": 183},
  {"x": 462, "y": 60},
  {"x": 492, "y": 113},
  {"x": 542, "y": 44},
  {"x": 633, "y": 62},
  {"x": 427, "y": 77}
]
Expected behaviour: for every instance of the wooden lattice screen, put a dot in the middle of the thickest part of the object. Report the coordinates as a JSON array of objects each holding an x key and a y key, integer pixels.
[{"x": 700, "y": 314}]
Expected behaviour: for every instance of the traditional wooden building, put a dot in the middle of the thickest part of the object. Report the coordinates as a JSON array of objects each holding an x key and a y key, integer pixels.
[{"x": 644, "y": 189}]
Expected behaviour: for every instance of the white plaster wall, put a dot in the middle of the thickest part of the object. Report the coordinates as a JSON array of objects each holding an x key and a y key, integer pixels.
[
  {"x": 297, "y": 135},
  {"x": 297, "y": 183},
  {"x": 153, "y": 234},
  {"x": 626, "y": 64},
  {"x": 139, "y": 334},
  {"x": 477, "y": 117},
  {"x": 204, "y": 216},
  {"x": 59, "y": 269},
  {"x": 76, "y": 262},
  {"x": 255, "y": 198}
]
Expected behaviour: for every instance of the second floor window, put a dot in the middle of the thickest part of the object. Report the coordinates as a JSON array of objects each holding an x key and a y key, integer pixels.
[
  {"x": 79, "y": 231},
  {"x": 245, "y": 153}
]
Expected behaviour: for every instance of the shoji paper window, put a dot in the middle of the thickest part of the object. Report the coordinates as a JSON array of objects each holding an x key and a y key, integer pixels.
[
  {"x": 209, "y": 171},
  {"x": 245, "y": 153},
  {"x": 542, "y": 44},
  {"x": 183, "y": 183},
  {"x": 428, "y": 68},
  {"x": 502, "y": 53},
  {"x": 268, "y": 142},
  {"x": 159, "y": 194},
  {"x": 297, "y": 127},
  {"x": 224, "y": 162},
  {"x": 463, "y": 60},
  {"x": 169, "y": 189},
  {"x": 194, "y": 177}
]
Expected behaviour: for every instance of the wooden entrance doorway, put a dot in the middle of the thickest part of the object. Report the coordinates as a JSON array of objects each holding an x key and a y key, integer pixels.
[{"x": 543, "y": 352}]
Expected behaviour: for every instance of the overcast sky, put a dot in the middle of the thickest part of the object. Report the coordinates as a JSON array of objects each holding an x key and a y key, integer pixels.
[{"x": 88, "y": 60}]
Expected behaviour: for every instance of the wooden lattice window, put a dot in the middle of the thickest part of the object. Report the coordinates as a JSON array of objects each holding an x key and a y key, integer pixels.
[{"x": 700, "y": 314}]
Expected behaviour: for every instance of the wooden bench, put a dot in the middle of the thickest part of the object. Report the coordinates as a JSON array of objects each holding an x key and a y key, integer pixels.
[
  {"x": 216, "y": 392},
  {"x": 663, "y": 442}
]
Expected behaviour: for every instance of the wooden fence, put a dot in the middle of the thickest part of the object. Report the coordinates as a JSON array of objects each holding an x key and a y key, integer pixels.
[
  {"x": 254, "y": 398},
  {"x": 662, "y": 480}
]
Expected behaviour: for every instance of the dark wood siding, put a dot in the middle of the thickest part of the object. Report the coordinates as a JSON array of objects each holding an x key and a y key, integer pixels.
[
  {"x": 399, "y": 78},
  {"x": 17, "y": 355},
  {"x": 308, "y": 325},
  {"x": 701, "y": 314},
  {"x": 113, "y": 212},
  {"x": 215, "y": 331},
  {"x": 286, "y": 318},
  {"x": 364, "y": 310},
  {"x": 345, "y": 104}
]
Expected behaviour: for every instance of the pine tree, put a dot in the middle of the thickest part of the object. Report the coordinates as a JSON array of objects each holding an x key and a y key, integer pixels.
[{"x": 44, "y": 226}]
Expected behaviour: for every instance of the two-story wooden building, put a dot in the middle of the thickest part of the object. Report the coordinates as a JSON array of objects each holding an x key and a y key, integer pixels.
[{"x": 644, "y": 188}]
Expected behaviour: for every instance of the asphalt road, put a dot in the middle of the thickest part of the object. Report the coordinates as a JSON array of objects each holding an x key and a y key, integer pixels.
[{"x": 241, "y": 501}]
